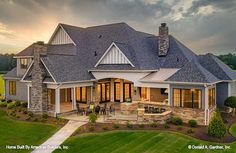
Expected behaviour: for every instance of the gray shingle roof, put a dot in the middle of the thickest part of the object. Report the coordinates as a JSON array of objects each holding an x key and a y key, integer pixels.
[
  {"x": 71, "y": 63},
  {"x": 193, "y": 72},
  {"x": 12, "y": 74},
  {"x": 217, "y": 67}
]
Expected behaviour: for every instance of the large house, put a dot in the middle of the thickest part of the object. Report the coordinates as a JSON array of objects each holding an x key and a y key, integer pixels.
[{"x": 114, "y": 63}]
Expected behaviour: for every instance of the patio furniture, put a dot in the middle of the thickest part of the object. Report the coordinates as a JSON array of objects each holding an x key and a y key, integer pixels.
[
  {"x": 90, "y": 108},
  {"x": 145, "y": 109},
  {"x": 97, "y": 109}
]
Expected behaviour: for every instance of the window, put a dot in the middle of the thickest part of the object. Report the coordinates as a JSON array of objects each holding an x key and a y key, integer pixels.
[
  {"x": 12, "y": 87},
  {"x": 143, "y": 93},
  {"x": 128, "y": 91},
  {"x": 117, "y": 91},
  {"x": 23, "y": 63},
  {"x": 211, "y": 97},
  {"x": 189, "y": 98},
  {"x": 81, "y": 94}
]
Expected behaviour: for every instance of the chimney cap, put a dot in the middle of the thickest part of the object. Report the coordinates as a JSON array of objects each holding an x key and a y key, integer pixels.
[
  {"x": 163, "y": 24},
  {"x": 39, "y": 43}
]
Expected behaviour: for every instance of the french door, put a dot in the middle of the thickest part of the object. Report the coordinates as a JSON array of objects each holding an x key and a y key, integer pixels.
[{"x": 104, "y": 92}]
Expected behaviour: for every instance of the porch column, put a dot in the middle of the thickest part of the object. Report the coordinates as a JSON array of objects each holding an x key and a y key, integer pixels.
[
  {"x": 112, "y": 89},
  {"x": 57, "y": 94},
  {"x": 206, "y": 107},
  {"x": 74, "y": 98},
  {"x": 121, "y": 90},
  {"x": 28, "y": 97},
  {"x": 169, "y": 96}
]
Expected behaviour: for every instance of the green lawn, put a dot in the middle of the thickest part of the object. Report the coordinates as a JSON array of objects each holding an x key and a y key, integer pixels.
[
  {"x": 137, "y": 142},
  {"x": 1, "y": 85},
  {"x": 14, "y": 132},
  {"x": 233, "y": 130}
]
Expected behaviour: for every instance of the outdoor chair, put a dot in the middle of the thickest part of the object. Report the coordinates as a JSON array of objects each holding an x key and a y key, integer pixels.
[
  {"x": 90, "y": 108},
  {"x": 145, "y": 109}
]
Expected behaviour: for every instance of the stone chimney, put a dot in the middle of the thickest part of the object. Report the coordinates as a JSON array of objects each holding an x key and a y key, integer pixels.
[
  {"x": 39, "y": 96},
  {"x": 163, "y": 40}
]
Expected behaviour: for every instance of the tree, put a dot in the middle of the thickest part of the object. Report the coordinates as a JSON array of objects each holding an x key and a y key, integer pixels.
[
  {"x": 216, "y": 127},
  {"x": 231, "y": 102}
]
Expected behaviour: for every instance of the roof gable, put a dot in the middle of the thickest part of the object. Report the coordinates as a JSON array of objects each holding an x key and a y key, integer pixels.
[
  {"x": 114, "y": 55},
  {"x": 60, "y": 36}
]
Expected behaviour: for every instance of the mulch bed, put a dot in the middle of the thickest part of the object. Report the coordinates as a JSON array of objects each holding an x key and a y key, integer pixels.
[
  {"x": 199, "y": 132},
  {"x": 20, "y": 113}
]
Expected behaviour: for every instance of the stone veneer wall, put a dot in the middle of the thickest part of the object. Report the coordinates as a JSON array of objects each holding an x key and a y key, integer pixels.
[
  {"x": 185, "y": 113},
  {"x": 38, "y": 90}
]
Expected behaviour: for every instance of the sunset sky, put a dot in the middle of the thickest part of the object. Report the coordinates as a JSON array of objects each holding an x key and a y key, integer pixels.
[{"x": 202, "y": 25}]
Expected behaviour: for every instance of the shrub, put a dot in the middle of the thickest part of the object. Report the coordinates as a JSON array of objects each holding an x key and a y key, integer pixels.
[
  {"x": 216, "y": 127},
  {"x": 19, "y": 110},
  {"x": 166, "y": 126},
  {"x": 60, "y": 120},
  {"x": 45, "y": 116},
  {"x": 92, "y": 118},
  {"x": 17, "y": 116},
  {"x": 36, "y": 120},
  {"x": 105, "y": 128},
  {"x": 3, "y": 104},
  {"x": 116, "y": 126},
  {"x": 128, "y": 125},
  {"x": 177, "y": 121},
  {"x": 192, "y": 123},
  {"x": 9, "y": 101},
  {"x": 179, "y": 128},
  {"x": 30, "y": 114},
  {"x": 25, "y": 112},
  {"x": 18, "y": 103},
  {"x": 11, "y": 105},
  {"x": 24, "y": 104},
  {"x": 3, "y": 100},
  {"x": 190, "y": 130},
  {"x": 91, "y": 128},
  {"x": 231, "y": 102},
  {"x": 28, "y": 119},
  {"x": 141, "y": 125},
  {"x": 153, "y": 124}
]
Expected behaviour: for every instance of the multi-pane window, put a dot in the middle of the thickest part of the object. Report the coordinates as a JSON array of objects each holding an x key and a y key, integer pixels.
[
  {"x": 23, "y": 63},
  {"x": 211, "y": 97},
  {"x": 12, "y": 87},
  {"x": 81, "y": 94},
  {"x": 128, "y": 91},
  {"x": 189, "y": 98},
  {"x": 117, "y": 91}
]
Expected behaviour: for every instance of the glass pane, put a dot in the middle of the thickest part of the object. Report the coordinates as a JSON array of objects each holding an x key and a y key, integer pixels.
[
  {"x": 197, "y": 94},
  {"x": 103, "y": 92},
  {"x": 99, "y": 91},
  {"x": 127, "y": 91},
  {"x": 108, "y": 91},
  {"x": 143, "y": 93},
  {"x": 83, "y": 93},
  {"x": 187, "y": 98},
  {"x": 176, "y": 97},
  {"x": 117, "y": 88},
  {"x": 78, "y": 94}
]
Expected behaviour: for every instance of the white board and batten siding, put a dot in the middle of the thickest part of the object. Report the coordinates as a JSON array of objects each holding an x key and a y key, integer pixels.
[
  {"x": 114, "y": 55},
  {"x": 60, "y": 37}
]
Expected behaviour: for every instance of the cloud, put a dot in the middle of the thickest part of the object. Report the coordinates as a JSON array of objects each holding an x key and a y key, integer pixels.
[{"x": 192, "y": 21}]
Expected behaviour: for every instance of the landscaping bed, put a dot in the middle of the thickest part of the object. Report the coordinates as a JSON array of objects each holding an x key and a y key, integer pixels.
[
  {"x": 18, "y": 110},
  {"x": 198, "y": 131}
]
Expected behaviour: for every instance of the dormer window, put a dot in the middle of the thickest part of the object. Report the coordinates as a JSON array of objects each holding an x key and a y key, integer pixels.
[{"x": 23, "y": 63}]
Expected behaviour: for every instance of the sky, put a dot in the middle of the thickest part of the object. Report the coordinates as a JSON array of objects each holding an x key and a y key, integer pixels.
[{"x": 202, "y": 25}]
